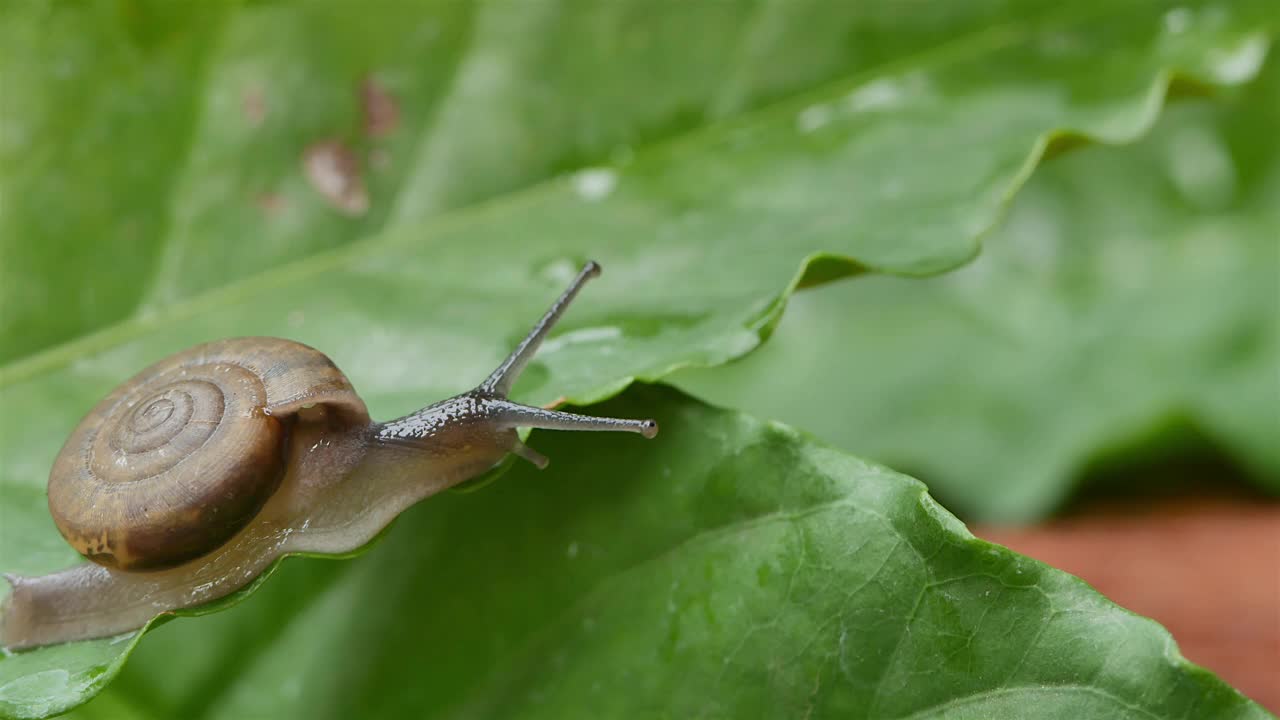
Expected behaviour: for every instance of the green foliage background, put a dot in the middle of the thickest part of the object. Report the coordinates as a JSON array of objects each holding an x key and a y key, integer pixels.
[{"x": 715, "y": 157}]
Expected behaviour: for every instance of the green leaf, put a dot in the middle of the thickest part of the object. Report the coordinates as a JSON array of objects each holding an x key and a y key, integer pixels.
[
  {"x": 701, "y": 238},
  {"x": 731, "y": 568},
  {"x": 899, "y": 167},
  {"x": 153, "y": 151},
  {"x": 99, "y": 104},
  {"x": 1129, "y": 299}
]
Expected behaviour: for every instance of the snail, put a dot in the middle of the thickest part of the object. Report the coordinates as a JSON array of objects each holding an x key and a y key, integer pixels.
[{"x": 191, "y": 479}]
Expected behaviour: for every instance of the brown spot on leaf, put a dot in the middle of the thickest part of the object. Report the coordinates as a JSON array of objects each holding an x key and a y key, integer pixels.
[
  {"x": 381, "y": 111},
  {"x": 334, "y": 171},
  {"x": 269, "y": 203},
  {"x": 254, "y": 106}
]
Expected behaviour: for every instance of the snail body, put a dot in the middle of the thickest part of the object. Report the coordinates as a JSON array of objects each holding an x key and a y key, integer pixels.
[{"x": 188, "y": 481}]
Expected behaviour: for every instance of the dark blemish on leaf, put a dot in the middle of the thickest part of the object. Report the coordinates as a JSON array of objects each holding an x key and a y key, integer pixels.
[
  {"x": 269, "y": 203},
  {"x": 254, "y": 106},
  {"x": 381, "y": 111},
  {"x": 334, "y": 171}
]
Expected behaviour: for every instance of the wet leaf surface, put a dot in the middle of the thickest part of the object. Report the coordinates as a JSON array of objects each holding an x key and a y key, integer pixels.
[{"x": 154, "y": 152}]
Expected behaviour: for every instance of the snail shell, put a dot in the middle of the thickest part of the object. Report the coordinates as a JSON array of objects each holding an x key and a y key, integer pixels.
[{"x": 175, "y": 461}]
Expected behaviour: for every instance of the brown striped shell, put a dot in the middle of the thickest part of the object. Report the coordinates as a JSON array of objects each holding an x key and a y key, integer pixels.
[{"x": 175, "y": 461}]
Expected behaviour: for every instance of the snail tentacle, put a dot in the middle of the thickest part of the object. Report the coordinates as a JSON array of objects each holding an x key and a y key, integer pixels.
[{"x": 500, "y": 381}]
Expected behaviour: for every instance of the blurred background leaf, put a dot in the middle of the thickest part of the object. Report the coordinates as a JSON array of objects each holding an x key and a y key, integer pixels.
[
  {"x": 731, "y": 568},
  {"x": 1128, "y": 307}
]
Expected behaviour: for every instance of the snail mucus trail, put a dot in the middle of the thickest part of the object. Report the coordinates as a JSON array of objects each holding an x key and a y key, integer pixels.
[{"x": 188, "y": 481}]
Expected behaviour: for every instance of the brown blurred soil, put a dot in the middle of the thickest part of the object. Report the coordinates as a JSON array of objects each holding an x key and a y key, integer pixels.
[{"x": 1205, "y": 564}]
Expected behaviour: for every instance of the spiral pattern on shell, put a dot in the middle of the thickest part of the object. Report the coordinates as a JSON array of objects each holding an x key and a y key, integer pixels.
[{"x": 175, "y": 461}]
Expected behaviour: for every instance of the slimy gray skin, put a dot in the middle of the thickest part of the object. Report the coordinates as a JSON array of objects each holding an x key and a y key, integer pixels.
[{"x": 191, "y": 479}]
